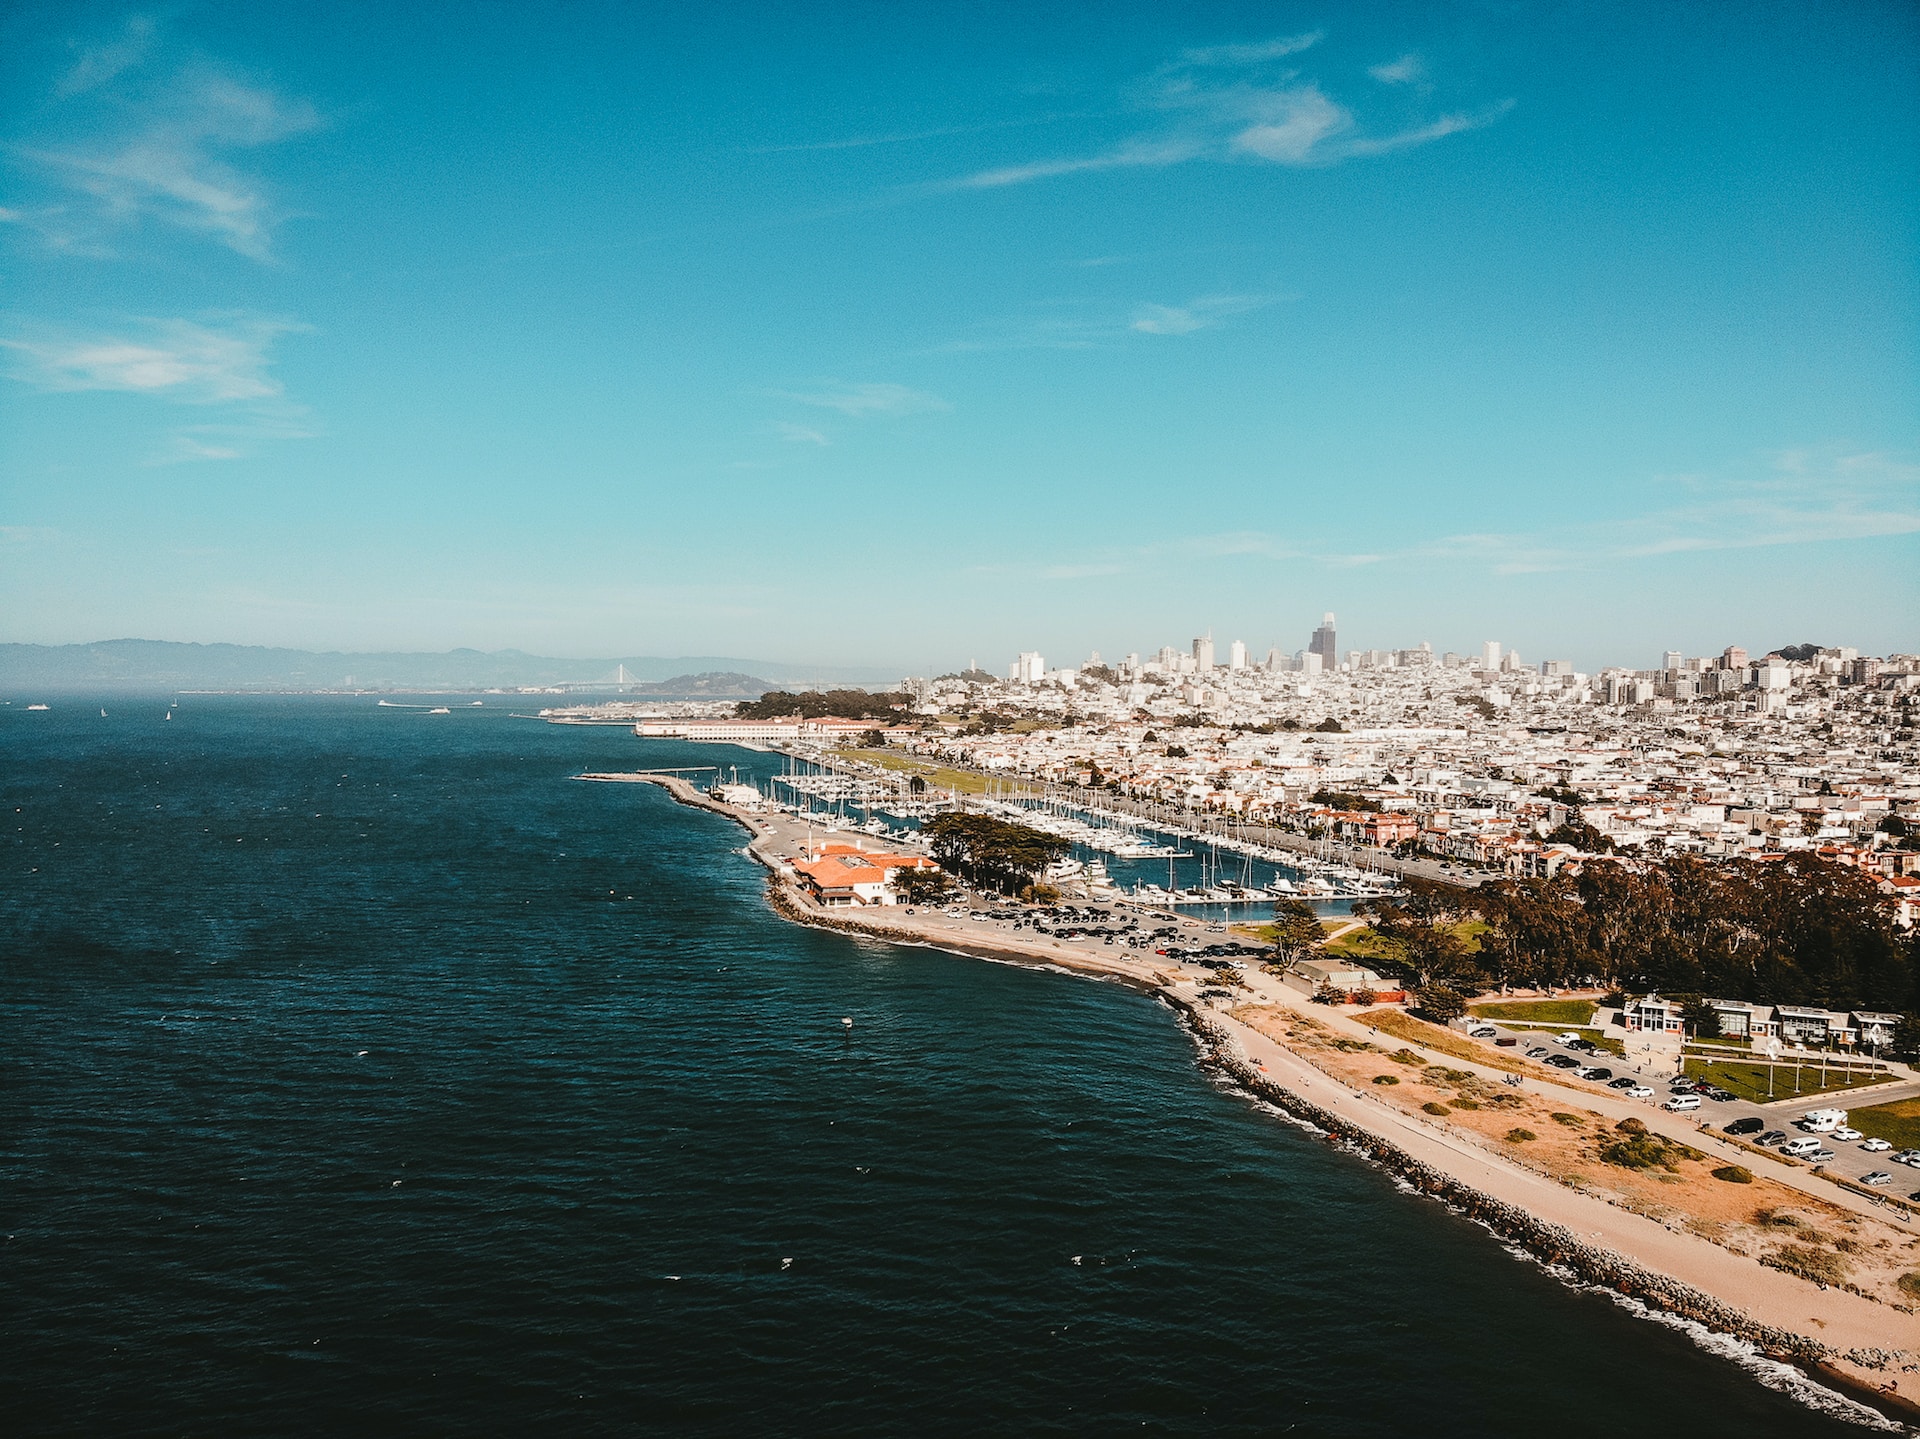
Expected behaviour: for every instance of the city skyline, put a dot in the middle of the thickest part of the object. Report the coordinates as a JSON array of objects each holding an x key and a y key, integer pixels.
[{"x": 611, "y": 335}]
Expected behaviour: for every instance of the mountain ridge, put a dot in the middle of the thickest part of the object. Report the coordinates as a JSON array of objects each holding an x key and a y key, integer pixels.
[{"x": 175, "y": 664}]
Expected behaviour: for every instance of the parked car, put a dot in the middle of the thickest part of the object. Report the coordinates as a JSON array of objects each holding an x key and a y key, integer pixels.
[
  {"x": 1749, "y": 1125},
  {"x": 1879, "y": 1176},
  {"x": 1681, "y": 1103},
  {"x": 1563, "y": 1061},
  {"x": 1624, "y": 1082},
  {"x": 1567, "y": 1036},
  {"x": 1720, "y": 1096},
  {"x": 1596, "y": 1074},
  {"x": 1585, "y": 1046},
  {"x": 1847, "y": 1135},
  {"x": 1772, "y": 1136},
  {"x": 1682, "y": 1085},
  {"x": 1908, "y": 1157},
  {"x": 1820, "y": 1156},
  {"x": 1799, "y": 1148},
  {"x": 1539, "y": 1051},
  {"x": 1639, "y": 1091},
  {"x": 1876, "y": 1146}
]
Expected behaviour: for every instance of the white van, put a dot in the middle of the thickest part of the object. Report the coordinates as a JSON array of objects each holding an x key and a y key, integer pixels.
[
  {"x": 1681, "y": 1103},
  {"x": 1822, "y": 1121},
  {"x": 1799, "y": 1148}
]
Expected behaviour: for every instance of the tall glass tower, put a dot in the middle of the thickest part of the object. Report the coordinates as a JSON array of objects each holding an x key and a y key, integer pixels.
[{"x": 1323, "y": 643}]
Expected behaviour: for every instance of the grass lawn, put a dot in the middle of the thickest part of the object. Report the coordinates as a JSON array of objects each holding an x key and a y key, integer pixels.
[
  {"x": 1576, "y": 1013},
  {"x": 1364, "y": 944},
  {"x": 1749, "y": 1080},
  {"x": 1897, "y": 1123},
  {"x": 937, "y": 776}
]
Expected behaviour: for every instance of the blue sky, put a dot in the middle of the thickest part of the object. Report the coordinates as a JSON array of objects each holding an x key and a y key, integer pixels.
[{"x": 905, "y": 335}]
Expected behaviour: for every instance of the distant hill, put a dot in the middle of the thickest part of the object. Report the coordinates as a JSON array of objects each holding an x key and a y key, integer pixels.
[
  {"x": 167, "y": 665},
  {"x": 726, "y": 685}
]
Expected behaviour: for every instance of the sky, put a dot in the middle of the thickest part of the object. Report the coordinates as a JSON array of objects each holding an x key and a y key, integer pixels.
[{"x": 906, "y": 335}]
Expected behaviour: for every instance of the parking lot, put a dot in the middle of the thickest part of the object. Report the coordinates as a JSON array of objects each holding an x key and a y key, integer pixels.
[{"x": 1842, "y": 1151}]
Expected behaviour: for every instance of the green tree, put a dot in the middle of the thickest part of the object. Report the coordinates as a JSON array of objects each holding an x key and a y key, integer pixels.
[
  {"x": 1906, "y": 1037},
  {"x": 991, "y": 853},
  {"x": 1297, "y": 930},
  {"x": 1441, "y": 1003},
  {"x": 1701, "y": 1019},
  {"x": 813, "y": 704},
  {"x": 921, "y": 886}
]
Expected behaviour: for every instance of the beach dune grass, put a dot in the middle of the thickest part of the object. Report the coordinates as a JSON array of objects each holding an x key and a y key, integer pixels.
[
  {"x": 1446, "y": 1041},
  {"x": 1573, "y": 1013}
]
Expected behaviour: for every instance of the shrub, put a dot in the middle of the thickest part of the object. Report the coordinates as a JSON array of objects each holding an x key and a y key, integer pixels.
[
  {"x": 1809, "y": 1263},
  {"x": 1631, "y": 1126},
  {"x": 1639, "y": 1151},
  {"x": 1909, "y": 1284},
  {"x": 1386, "y": 1079},
  {"x": 1734, "y": 1174},
  {"x": 1433, "y": 1108},
  {"x": 1405, "y": 1056},
  {"x": 1520, "y": 1136},
  {"x": 1572, "y": 1121},
  {"x": 1460, "y": 1103}
]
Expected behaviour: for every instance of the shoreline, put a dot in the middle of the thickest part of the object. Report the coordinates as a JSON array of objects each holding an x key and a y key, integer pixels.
[{"x": 1869, "y": 1344}]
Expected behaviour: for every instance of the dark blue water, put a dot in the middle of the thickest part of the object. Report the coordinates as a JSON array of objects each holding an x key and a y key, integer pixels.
[{"x": 361, "y": 1073}]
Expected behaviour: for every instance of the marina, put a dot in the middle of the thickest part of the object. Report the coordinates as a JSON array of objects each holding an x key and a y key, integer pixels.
[{"x": 1113, "y": 856}]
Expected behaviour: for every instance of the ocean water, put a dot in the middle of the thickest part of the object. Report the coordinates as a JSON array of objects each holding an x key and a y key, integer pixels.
[{"x": 362, "y": 1073}]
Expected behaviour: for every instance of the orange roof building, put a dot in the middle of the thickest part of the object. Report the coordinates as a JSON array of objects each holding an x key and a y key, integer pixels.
[{"x": 842, "y": 875}]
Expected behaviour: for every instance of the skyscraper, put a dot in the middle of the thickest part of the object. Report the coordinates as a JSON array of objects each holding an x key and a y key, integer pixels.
[
  {"x": 1203, "y": 654},
  {"x": 1490, "y": 656},
  {"x": 1237, "y": 655},
  {"x": 1322, "y": 643},
  {"x": 1670, "y": 659}
]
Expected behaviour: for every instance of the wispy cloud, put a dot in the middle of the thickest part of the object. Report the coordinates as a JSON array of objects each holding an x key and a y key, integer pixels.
[
  {"x": 1405, "y": 71},
  {"x": 800, "y": 434},
  {"x": 1201, "y": 314},
  {"x": 147, "y": 137},
  {"x": 181, "y": 359},
  {"x": 1086, "y": 325},
  {"x": 905, "y": 137},
  {"x": 860, "y": 401},
  {"x": 99, "y": 64},
  {"x": 1229, "y": 102},
  {"x": 224, "y": 365},
  {"x": 1793, "y": 498},
  {"x": 1798, "y": 498},
  {"x": 1257, "y": 53}
]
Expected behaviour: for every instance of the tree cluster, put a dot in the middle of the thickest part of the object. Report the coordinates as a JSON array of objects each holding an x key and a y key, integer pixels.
[
  {"x": 991, "y": 853},
  {"x": 834, "y": 704},
  {"x": 1340, "y": 799},
  {"x": 1798, "y": 930}
]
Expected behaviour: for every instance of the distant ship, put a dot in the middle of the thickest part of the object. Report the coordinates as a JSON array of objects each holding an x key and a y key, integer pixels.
[
  {"x": 39, "y": 707},
  {"x": 440, "y": 710}
]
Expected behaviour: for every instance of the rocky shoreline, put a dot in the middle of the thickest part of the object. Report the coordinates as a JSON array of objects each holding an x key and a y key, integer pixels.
[{"x": 1551, "y": 1244}]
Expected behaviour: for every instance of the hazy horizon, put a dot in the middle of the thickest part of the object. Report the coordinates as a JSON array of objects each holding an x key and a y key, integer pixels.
[{"x": 898, "y": 338}]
